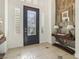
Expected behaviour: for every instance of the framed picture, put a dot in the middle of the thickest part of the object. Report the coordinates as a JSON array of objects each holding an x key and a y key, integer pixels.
[
  {"x": 65, "y": 14},
  {"x": 65, "y": 18}
]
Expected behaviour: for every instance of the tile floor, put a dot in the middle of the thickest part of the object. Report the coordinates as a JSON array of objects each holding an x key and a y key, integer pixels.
[{"x": 37, "y": 51}]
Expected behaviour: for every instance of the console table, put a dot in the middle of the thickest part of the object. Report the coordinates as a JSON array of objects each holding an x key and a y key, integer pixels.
[
  {"x": 2, "y": 40},
  {"x": 62, "y": 41}
]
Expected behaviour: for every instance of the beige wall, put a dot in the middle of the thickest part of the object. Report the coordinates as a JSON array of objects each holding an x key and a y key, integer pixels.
[
  {"x": 2, "y": 8},
  {"x": 2, "y": 28},
  {"x": 16, "y": 40},
  {"x": 52, "y": 21},
  {"x": 2, "y": 14},
  {"x": 77, "y": 28}
]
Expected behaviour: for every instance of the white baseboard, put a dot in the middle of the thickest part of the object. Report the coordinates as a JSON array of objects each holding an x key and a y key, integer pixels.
[{"x": 77, "y": 56}]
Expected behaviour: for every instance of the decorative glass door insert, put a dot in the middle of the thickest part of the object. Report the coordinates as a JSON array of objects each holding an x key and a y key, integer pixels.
[{"x": 31, "y": 23}]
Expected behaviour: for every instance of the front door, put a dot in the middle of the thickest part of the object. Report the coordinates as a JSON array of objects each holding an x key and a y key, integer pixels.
[{"x": 31, "y": 25}]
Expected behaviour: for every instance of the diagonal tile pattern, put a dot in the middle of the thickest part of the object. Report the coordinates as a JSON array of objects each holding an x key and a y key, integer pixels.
[{"x": 37, "y": 51}]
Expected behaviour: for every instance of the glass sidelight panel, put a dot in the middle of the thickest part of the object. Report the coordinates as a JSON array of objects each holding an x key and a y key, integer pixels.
[{"x": 31, "y": 23}]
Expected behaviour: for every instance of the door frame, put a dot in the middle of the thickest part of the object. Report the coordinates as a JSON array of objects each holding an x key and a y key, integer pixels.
[{"x": 38, "y": 30}]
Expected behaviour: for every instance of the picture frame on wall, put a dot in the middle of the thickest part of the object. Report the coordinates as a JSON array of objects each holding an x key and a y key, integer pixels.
[
  {"x": 65, "y": 17},
  {"x": 65, "y": 14}
]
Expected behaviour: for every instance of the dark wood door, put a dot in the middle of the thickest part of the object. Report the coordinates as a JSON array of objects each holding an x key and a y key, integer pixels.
[{"x": 31, "y": 25}]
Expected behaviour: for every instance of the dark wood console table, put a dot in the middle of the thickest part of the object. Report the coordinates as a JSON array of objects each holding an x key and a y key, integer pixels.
[
  {"x": 64, "y": 37},
  {"x": 2, "y": 40},
  {"x": 62, "y": 40}
]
